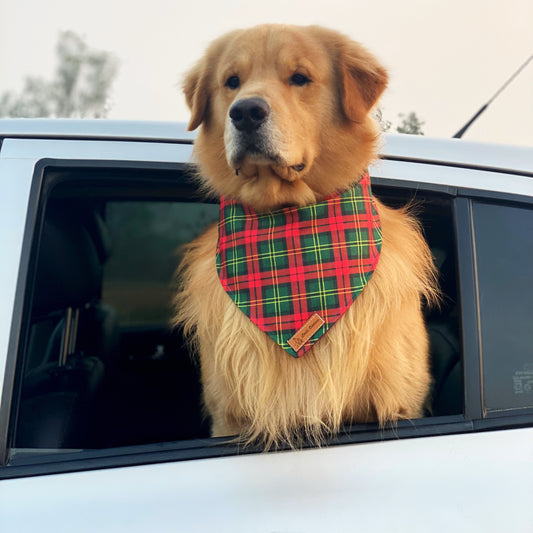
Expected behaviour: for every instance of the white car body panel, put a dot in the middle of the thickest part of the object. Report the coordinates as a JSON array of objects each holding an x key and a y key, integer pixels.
[
  {"x": 453, "y": 177},
  {"x": 475, "y": 483},
  {"x": 99, "y": 150},
  {"x": 12, "y": 224}
]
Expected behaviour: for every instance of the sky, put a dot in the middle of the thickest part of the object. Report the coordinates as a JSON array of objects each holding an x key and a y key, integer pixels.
[{"x": 445, "y": 58}]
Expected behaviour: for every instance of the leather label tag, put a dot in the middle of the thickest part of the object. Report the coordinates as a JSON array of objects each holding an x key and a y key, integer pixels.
[{"x": 305, "y": 332}]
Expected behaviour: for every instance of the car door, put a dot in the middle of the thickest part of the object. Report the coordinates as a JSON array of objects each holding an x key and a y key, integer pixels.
[{"x": 101, "y": 418}]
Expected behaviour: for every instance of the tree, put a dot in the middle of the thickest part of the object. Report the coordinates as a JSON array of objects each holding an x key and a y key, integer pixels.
[
  {"x": 79, "y": 89},
  {"x": 410, "y": 124}
]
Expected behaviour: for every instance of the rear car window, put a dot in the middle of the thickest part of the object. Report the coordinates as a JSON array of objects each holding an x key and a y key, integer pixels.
[{"x": 504, "y": 256}]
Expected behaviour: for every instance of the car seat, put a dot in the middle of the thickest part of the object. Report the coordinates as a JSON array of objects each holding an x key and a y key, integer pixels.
[{"x": 73, "y": 336}]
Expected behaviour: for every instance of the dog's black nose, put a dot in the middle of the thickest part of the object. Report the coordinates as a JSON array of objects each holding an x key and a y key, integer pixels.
[{"x": 247, "y": 115}]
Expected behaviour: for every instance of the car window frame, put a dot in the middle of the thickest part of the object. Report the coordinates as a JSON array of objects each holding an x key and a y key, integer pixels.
[
  {"x": 474, "y": 383},
  {"x": 473, "y": 419}
]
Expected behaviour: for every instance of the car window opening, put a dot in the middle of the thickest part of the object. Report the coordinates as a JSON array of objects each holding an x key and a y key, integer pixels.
[{"x": 102, "y": 367}]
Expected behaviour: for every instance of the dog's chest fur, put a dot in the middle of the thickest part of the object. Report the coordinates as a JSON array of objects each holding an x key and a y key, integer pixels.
[{"x": 371, "y": 367}]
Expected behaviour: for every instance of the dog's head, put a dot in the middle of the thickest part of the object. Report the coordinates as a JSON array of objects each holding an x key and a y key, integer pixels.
[{"x": 285, "y": 113}]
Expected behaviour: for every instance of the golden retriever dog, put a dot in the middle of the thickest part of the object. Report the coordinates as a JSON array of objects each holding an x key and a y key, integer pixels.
[{"x": 285, "y": 121}]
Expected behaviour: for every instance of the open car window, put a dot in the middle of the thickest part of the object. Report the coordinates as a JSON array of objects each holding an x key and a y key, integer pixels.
[{"x": 101, "y": 368}]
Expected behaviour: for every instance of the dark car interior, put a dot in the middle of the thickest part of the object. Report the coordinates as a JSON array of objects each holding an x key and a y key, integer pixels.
[{"x": 101, "y": 366}]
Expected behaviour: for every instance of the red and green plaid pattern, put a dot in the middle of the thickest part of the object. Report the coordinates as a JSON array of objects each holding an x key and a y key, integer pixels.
[{"x": 282, "y": 267}]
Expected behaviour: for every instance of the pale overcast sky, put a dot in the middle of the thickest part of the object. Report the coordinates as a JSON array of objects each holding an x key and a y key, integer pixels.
[{"x": 446, "y": 58}]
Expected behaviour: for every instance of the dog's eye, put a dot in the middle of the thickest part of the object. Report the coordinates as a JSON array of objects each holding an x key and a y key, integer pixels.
[
  {"x": 233, "y": 82},
  {"x": 299, "y": 79}
]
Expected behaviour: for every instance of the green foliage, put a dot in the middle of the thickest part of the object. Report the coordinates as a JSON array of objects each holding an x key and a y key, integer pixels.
[
  {"x": 410, "y": 124},
  {"x": 79, "y": 89}
]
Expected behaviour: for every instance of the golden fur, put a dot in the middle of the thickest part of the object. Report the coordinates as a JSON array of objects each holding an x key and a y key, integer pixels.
[{"x": 373, "y": 365}]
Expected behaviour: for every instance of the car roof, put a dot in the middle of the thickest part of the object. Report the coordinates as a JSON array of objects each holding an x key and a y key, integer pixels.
[
  {"x": 96, "y": 129},
  {"x": 397, "y": 147}
]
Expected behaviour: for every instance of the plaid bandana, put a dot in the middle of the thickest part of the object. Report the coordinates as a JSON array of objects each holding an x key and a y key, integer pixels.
[{"x": 296, "y": 270}]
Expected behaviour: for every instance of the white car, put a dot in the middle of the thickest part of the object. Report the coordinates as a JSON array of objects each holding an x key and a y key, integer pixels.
[{"x": 101, "y": 428}]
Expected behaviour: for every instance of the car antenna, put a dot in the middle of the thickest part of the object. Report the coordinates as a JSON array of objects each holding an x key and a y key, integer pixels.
[{"x": 461, "y": 132}]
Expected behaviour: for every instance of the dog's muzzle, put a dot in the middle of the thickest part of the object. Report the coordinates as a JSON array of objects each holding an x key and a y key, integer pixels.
[{"x": 250, "y": 134}]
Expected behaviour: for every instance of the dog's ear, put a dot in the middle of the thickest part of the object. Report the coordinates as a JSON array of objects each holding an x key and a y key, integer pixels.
[
  {"x": 196, "y": 94},
  {"x": 362, "y": 80}
]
